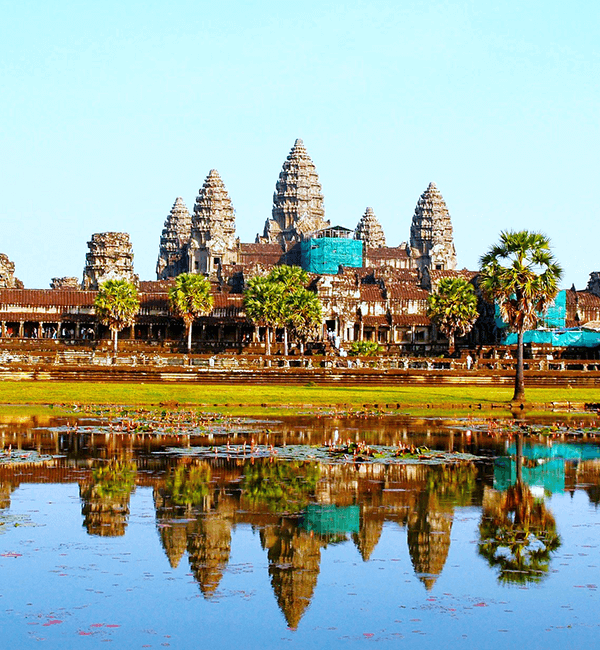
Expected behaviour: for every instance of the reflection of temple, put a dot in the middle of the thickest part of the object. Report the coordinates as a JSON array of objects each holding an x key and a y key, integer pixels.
[
  {"x": 294, "y": 559},
  {"x": 6, "y": 489},
  {"x": 105, "y": 499},
  {"x": 200, "y": 503},
  {"x": 208, "y": 547},
  {"x": 429, "y": 538},
  {"x": 196, "y": 516},
  {"x": 104, "y": 516}
]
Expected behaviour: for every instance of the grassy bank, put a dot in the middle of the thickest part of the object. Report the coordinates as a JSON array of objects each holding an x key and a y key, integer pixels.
[{"x": 252, "y": 399}]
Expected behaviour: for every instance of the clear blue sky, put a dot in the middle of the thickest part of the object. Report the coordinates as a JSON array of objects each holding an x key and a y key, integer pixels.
[{"x": 110, "y": 110}]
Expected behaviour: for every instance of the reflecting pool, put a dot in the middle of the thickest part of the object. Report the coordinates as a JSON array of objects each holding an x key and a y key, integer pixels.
[{"x": 122, "y": 534}]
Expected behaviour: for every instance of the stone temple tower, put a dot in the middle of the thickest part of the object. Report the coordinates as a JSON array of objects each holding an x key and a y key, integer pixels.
[
  {"x": 110, "y": 257},
  {"x": 7, "y": 274},
  {"x": 431, "y": 239},
  {"x": 213, "y": 241},
  {"x": 297, "y": 202},
  {"x": 369, "y": 230},
  {"x": 172, "y": 257}
]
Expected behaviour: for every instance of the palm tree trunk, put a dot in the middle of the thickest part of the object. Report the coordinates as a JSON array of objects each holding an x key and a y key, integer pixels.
[
  {"x": 519, "y": 441},
  {"x": 268, "y": 340},
  {"x": 285, "y": 341},
  {"x": 519, "y": 377},
  {"x": 451, "y": 343},
  {"x": 115, "y": 334},
  {"x": 189, "y": 338}
]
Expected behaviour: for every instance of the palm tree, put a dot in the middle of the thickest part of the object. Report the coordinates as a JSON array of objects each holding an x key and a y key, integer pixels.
[
  {"x": 281, "y": 300},
  {"x": 190, "y": 298},
  {"x": 305, "y": 314},
  {"x": 288, "y": 281},
  {"x": 260, "y": 299},
  {"x": 453, "y": 308},
  {"x": 521, "y": 275},
  {"x": 116, "y": 305}
]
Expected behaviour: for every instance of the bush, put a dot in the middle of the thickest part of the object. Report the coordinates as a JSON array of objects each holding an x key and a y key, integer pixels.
[{"x": 365, "y": 349}]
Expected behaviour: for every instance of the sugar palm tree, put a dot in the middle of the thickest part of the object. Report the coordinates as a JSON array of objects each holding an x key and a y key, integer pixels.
[
  {"x": 289, "y": 282},
  {"x": 453, "y": 308},
  {"x": 305, "y": 314},
  {"x": 189, "y": 299},
  {"x": 116, "y": 305},
  {"x": 260, "y": 298},
  {"x": 521, "y": 275},
  {"x": 280, "y": 300}
]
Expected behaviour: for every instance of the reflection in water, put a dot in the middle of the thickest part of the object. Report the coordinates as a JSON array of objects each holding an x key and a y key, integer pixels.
[
  {"x": 6, "y": 489},
  {"x": 294, "y": 558},
  {"x": 430, "y": 521},
  {"x": 194, "y": 515},
  {"x": 106, "y": 498},
  {"x": 282, "y": 487},
  {"x": 188, "y": 484},
  {"x": 517, "y": 533},
  {"x": 300, "y": 508},
  {"x": 429, "y": 528},
  {"x": 208, "y": 547}
]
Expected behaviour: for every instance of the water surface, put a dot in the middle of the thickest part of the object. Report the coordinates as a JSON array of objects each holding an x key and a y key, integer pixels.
[{"x": 126, "y": 538}]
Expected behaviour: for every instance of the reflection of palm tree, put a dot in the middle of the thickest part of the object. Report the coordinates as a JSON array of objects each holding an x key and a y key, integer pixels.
[
  {"x": 282, "y": 487},
  {"x": 518, "y": 535},
  {"x": 186, "y": 487},
  {"x": 106, "y": 498}
]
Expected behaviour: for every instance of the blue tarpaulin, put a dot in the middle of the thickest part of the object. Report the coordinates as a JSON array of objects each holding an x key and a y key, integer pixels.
[{"x": 557, "y": 338}]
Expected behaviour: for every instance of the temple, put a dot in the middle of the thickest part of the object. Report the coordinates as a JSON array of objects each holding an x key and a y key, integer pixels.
[{"x": 368, "y": 289}]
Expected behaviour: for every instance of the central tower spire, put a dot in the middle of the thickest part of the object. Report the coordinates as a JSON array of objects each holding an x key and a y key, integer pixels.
[{"x": 297, "y": 202}]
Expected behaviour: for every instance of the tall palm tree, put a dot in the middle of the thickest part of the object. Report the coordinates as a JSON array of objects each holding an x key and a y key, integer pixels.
[
  {"x": 259, "y": 304},
  {"x": 288, "y": 281},
  {"x": 305, "y": 314},
  {"x": 453, "y": 308},
  {"x": 189, "y": 299},
  {"x": 521, "y": 275},
  {"x": 276, "y": 301},
  {"x": 116, "y": 305}
]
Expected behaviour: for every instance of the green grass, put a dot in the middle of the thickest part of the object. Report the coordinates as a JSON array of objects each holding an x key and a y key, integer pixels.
[{"x": 252, "y": 400}]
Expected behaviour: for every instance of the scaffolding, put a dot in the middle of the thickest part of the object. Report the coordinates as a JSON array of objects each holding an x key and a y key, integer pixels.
[{"x": 325, "y": 255}]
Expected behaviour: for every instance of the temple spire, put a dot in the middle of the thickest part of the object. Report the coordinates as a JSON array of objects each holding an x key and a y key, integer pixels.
[
  {"x": 213, "y": 242},
  {"x": 369, "y": 230},
  {"x": 175, "y": 235},
  {"x": 431, "y": 237},
  {"x": 298, "y": 208}
]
